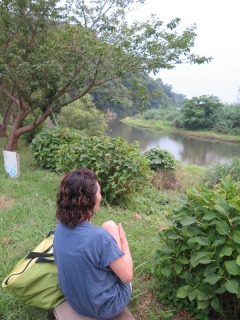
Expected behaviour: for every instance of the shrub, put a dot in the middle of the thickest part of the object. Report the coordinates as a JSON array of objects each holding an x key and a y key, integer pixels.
[
  {"x": 163, "y": 163},
  {"x": 46, "y": 144},
  {"x": 198, "y": 258},
  {"x": 159, "y": 159},
  {"x": 119, "y": 166}
]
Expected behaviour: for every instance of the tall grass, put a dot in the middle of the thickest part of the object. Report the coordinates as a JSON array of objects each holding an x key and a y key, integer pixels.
[
  {"x": 27, "y": 214},
  {"x": 218, "y": 171}
]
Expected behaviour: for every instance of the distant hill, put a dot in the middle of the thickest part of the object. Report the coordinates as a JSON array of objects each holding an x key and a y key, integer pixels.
[{"x": 136, "y": 93}]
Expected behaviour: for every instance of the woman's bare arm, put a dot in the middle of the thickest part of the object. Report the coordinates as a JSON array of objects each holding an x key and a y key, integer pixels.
[{"x": 123, "y": 267}]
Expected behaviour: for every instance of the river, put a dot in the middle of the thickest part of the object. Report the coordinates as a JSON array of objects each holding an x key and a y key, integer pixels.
[{"x": 186, "y": 149}]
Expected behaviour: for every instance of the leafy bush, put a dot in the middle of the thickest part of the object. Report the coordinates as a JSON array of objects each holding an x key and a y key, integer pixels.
[
  {"x": 46, "y": 144},
  {"x": 218, "y": 171},
  {"x": 119, "y": 166},
  {"x": 227, "y": 119},
  {"x": 159, "y": 159},
  {"x": 198, "y": 259}
]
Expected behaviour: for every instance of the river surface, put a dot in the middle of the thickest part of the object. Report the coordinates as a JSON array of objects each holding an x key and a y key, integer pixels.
[{"x": 185, "y": 149}]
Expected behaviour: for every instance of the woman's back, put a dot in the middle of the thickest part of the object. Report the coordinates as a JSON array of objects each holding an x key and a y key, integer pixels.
[{"x": 83, "y": 255}]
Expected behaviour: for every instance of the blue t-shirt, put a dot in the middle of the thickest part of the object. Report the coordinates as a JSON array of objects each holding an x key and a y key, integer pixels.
[{"x": 83, "y": 255}]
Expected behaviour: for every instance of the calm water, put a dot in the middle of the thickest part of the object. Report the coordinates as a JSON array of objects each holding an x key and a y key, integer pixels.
[{"x": 186, "y": 149}]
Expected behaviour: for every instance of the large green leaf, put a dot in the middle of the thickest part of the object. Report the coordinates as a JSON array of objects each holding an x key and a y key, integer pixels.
[
  {"x": 203, "y": 257},
  {"x": 212, "y": 278},
  {"x": 203, "y": 304},
  {"x": 218, "y": 241},
  {"x": 226, "y": 251},
  {"x": 192, "y": 295},
  {"x": 215, "y": 304},
  {"x": 182, "y": 260},
  {"x": 209, "y": 270},
  {"x": 238, "y": 260},
  {"x": 232, "y": 286},
  {"x": 202, "y": 295},
  {"x": 204, "y": 241},
  {"x": 236, "y": 236},
  {"x": 183, "y": 291},
  {"x": 187, "y": 221},
  {"x": 178, "y": 267},
  {"x": 222, "y": 205},
  {"x": 222, "y": 227},
  {"x": 210, "y": 216},
  {"x": 166, "y": 271},
  {"x": 190, "y": 231},
  {"x": 232, "y": 267},
  {"x": 222, "y": 289}
]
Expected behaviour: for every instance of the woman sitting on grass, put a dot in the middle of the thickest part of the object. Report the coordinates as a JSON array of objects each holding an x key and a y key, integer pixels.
[{"x": 95, "y": 266}]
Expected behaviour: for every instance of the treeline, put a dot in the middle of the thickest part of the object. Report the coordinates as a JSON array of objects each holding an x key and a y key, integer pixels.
[
  {"x": 199, "y": 113},
  {"x": 137, "y": 93}
]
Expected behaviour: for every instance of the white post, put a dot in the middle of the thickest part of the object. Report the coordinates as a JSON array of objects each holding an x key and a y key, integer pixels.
[{"x": 11, "y": 163}]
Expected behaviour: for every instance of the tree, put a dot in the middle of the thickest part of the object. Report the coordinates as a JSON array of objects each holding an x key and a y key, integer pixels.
[
  {"x": 83, "y": 115},
  {"x": 197, "y": 112},
  {"x": 50, "y": 57}
]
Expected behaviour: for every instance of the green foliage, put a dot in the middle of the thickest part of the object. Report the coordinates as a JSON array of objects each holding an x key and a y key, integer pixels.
[
  {"x": 82, "y": 115},
  {"x": 197, "y": 112},
  {"x": 135, "y": 93},
  {"x": 159, "y": 159},
  {"x": 169, "y": 114},
  {"x": 119, "y": 166},
  {"x": 198, "y": 254},
  {"x": 218, "y": 171},
  {"x": 52, "y": 60},
  {"x": 46, "y": 144},
  {"x": 227, "y": 119}
]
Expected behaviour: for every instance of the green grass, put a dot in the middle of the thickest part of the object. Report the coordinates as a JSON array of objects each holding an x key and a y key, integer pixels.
[
  {"x": 27, "y": 214},
  {"x": 167, "y": 126},
  {"x": 151, "y": 124}
]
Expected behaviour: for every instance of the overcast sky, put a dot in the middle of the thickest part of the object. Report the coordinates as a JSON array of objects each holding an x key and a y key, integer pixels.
[{"x": 218, "y": 35}]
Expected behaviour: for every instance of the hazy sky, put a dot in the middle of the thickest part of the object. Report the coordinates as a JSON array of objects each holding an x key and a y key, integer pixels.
[{"x": 218, "y": 35}]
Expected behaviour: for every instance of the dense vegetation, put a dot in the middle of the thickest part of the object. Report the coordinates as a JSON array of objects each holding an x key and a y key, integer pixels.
[
  {"x": 82, "y": 115},
  {"x": 119, "y": 165},
  {"x": 141, "y": 93},
  {"x": 198, "y": 253},
  {"x": 198, "y": 113}
]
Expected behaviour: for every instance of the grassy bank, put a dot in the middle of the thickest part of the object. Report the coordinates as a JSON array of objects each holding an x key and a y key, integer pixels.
[
  {"x": 27, "y": 206},
  {"x": 166, "y": 126}
]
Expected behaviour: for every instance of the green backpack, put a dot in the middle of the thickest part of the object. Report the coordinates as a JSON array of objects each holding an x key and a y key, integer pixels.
[{"x": 34, "y": 280}]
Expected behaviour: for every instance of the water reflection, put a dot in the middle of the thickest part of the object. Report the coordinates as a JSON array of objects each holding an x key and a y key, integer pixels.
[{"x": 186, "y": 149}]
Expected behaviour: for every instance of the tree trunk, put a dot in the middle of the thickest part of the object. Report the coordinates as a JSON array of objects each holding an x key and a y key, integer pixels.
[
  {"x": 17, "y": 130},
  {"x": 12, "y": 142},
  {"x": 3, "y": 131}
]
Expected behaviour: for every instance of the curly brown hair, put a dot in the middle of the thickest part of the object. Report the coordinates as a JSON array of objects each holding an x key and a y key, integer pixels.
[{"x": 76, "y": 197}]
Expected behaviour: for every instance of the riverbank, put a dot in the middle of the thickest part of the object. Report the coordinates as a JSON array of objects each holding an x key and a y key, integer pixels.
[{"x": 165, "y": 126}]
